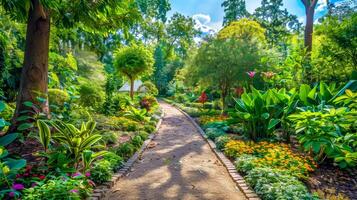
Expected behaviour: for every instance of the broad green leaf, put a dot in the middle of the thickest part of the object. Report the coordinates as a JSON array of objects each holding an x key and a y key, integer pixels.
[
  {"x": 273, "y": 123},
  {"x": 44, "y": 133},
  {"x": 28, "y": 103},
  {"x": 25, "y": 126},
  {"x": 7, "y": 139},
  {"x": 2, "y": 106}
]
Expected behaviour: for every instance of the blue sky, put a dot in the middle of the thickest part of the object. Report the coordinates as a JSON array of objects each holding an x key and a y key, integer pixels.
[{"x": 209, "y": 13}]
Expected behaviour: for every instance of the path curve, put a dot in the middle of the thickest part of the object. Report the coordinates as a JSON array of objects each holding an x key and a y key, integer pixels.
[{"x": 180, "y": 166}]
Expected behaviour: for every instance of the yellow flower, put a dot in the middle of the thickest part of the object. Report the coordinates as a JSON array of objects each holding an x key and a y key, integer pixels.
[{"x": 5, "y": 170}]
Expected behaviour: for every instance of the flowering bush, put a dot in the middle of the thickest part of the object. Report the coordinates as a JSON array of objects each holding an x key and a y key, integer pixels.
[
  {"x": 204, "y": 119},
  {"x": 265, "y": 154}
]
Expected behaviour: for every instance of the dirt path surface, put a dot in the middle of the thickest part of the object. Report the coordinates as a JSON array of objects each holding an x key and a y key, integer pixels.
[{"x": 180, "y": 166}]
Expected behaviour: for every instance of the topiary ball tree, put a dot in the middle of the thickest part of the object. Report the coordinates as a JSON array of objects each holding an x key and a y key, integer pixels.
[{"x": 134, "y": 61}]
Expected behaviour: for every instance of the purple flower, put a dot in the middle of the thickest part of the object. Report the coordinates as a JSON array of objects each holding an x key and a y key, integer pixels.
[
  {"x": 11, "y": 194},
  {"x": 87, "y": 174},
  {"x": 33, "y": 184},
  {"x": 18, "y": 186},
  {"x": 251, "y": 74},
  {"x": 74, "y": 191}
]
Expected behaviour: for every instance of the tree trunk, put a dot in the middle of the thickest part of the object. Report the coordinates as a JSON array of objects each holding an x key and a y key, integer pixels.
[
  {"x": 34, "y": 77},
  {"x": 132, "y": 88},
  {"x": 309, "y": 29}
]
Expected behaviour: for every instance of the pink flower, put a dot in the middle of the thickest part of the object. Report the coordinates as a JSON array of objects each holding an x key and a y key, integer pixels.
[
  {"x": 74, "y": 191},
  {"x": 87, "y": 174},
  {"x": 11, "y": 194},
  {"x": 91, "y": 183},
  {"x": 76, "y": 174},
  {"x": 18, "y": 186},
  {"x": 33, "y": 184},
  {"x": 251, "y": 74}
]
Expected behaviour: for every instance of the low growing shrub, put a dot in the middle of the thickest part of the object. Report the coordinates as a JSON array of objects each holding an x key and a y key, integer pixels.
[
  {"x": 213, "y": 133},
  {"x": 116, "y": 162},
  {"x": 101, "y": 171},
  {"x": 62, "y": 188},
  {"x": 272, "y": 184},
  {"x": 221, "y": 142}
]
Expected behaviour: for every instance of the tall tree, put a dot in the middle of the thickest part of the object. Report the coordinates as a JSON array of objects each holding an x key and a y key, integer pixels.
[
  {"x": 234, "y": 10},
  {"x": 104, "y": 15},
  {"x": 310, "y": 6},
  {"x": 180, "y": 34},
  {"x": 134, "y": 61},
  {"x": 277, "y": 21}
]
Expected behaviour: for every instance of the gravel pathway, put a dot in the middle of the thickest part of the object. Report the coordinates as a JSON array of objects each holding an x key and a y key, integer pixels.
[{"x": 179, "y": 165}]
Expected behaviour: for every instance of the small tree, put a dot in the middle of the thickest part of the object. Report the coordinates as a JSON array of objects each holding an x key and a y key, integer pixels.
[{"x": 134, "y": 61}]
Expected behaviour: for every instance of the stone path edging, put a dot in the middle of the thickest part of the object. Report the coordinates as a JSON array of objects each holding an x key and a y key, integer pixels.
[
  {"x": 100, "y": 191},
  {"x": 237, "y": 178}
]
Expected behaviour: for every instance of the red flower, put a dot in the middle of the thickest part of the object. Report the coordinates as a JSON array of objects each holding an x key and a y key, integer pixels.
[
  {"x": 239, "y": 91},
  {"x": 41, "y": 177},
  {"x": 203, "y": 98}
]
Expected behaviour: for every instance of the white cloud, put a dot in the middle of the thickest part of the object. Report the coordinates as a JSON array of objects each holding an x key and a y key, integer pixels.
[
  {"x": 321, "y": 5},
  {"x": 202, "y": 18},
  {"x": 205, "y": 24}
]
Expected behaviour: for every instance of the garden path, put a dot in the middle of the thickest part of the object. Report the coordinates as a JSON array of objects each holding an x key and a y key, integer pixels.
[{"x": 180, "y": 166}]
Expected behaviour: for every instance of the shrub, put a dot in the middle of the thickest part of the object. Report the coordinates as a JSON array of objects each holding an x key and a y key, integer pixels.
[
  {"x": 149, "y": 88},
  {"x": 57, "y": 97},
  {"x": 221, "y": 141},
  {"x": 123, "y": 124},
  {"x": 149, "y": 128},
  {"x": 272, "y": 184},
  {"x": 144, "y": 135},
  {"x": 125, "y": 150},
  {"x": 116, "y": 162},
  {"x": 91, "y": 95},
  {"x": 148, "y": 102},
  {"x": 244, "y": 163},
  {"x": 101, "y": 171},
  {"x": 110, "y": 137},
  {"x": 137, "y": 141},
  {"x": 278, "y": 156},
  {"x": 213, "y": 133},
  {"x": 63, "y": 188}
]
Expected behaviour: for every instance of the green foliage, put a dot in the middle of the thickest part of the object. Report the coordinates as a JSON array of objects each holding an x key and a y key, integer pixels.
[
  {"x": 244, "y": 29},
  {"x": 213, "y": 133},
  {"x": 44, "y": 133},
  {"x": 115, "y": 161},
  {"x": 259, "y": 112},
  {"x": 144, "y": 135},
  {"x": 138, "y": 115},
  {"x": 137, "y": 141},
  {"x": 110, "y": 137},
  {"x": 62, "y": 188},
  {"x": 125, "y": 150},
  {"x": 221, "y": 141},
  {"x": 76, "y": 141},
  {"x": 57, "y": 97},
  {"x": 275, "y": 20},
  {"x": 233, "y": 10},
  {"x": 149, "y": 128},
  {"x": 101, "y": 171},
  {"x": 274, "y": 184},
  {"x": 324, "y": 133},
  {"x": 133, "y": 61},
  {"x": 148, "y": 88},
  {"x": 91, "y": 95}
]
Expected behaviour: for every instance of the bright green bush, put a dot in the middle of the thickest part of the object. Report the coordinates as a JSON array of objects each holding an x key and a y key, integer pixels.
[
  {"x": 102, "y": 171},
  {"x": 137, "y": 141},
  {"x": 62, "y": 188},
  {"x": 149, "y": 128},
  {"x": 91, "y": 95},
  {"x": 149, "y": 88},
  {"x": 57, "y": 97},
  {"x": 116, "y": 162},
  {"x": 144, "y": 135}
]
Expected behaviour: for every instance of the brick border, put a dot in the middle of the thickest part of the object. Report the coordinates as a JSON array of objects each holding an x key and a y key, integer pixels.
[
  {"x": 100, "y": 191},
  {"x": 232, "y": 171}
]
